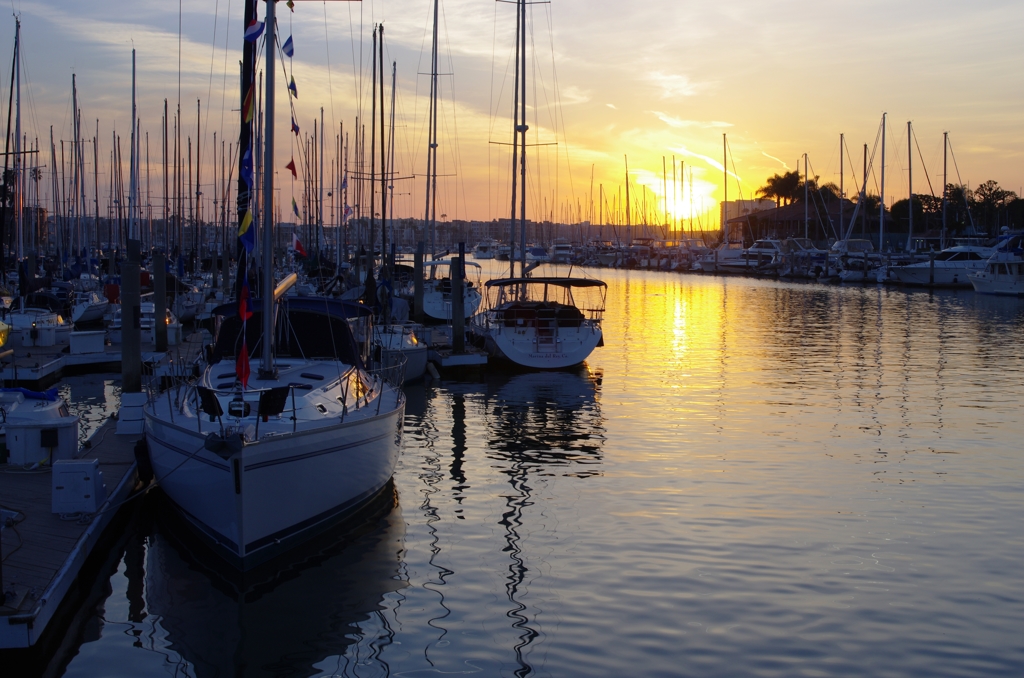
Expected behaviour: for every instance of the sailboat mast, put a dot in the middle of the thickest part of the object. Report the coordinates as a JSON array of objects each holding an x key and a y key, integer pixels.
[
  {"x": 881, "y": 190},
  {"x": 17, "y": 145},
  {"x": 522, "y": 129},
  {"x": 842, "y": 176},
  {"x": 515, "y": 146},
  {"x": 383, "y": 160},
  {"x": 910, "y": 184},
  {"x": 945, "y": 192},
  {"x": 725, "y": 192},
  {"x": 132, "y": 186},
  {"x": 807, "y": 213},
  {"x": 267, "y": 365}
]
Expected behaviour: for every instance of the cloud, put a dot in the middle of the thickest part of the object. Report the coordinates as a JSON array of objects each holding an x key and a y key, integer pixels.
[
  {"x": 574, "y": 95},
  {"x": 781, "y": 162},
  {"x": 679, "y": 123},
  {"x": 612, "y": 106},
  {"x": 673, "y": 85},
  {"x": 682, "y": 150}
]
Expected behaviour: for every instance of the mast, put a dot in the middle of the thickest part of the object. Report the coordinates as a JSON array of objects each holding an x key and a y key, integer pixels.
[
  {"x": 725, "y": 186},
  {"x": 383, "y": 161},
  {"x": 17, "y": 146},
  {"x": 807, "y": 214},
  {"x": 373, "y": 151},
  {"x": 522, "y": 129},
  {"x": 430, "y": 208},
  {"x": 320, "y": 214},
  {"x": 881, "y": 197},
  {"x": 515, "y": 145},
  {"x": 842, "y": 176},
  {"x": 267, "y": 365},
  {"x": 132, "y": 167},
  {"x": 910, "y": 184},
  {"x": 945, "y": 192}
]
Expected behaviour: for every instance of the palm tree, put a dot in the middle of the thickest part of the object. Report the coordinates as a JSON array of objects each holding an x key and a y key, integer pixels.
[{"x": 783, "y": 188}]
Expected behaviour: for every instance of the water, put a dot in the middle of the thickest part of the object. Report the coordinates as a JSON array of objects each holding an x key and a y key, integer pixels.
[{"x": 749, "y": 479}]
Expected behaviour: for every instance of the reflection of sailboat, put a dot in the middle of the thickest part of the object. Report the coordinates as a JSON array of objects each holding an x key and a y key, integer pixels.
[
  {"x": 547, "y": 421},
  {"x": 284, "y": 621}
]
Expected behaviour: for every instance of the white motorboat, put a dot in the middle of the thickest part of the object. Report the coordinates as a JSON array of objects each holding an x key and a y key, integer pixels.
[
  {"x": 561, "y": 251},
  {"x": 486, "y": 249},
  {"x": 948, "y": 268},
  {"x": 39, "y": 326},
  {"x": 538, "y": 323},
  {"x": 1003, "y": 274},
  {"x": 714, "y": 260},
  {"x": 759, "y": 255},
  {"x": 147, "y": 322}
]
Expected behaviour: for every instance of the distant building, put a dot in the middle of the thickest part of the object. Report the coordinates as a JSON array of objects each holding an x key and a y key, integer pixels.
[{"x": 734, "y": 209}]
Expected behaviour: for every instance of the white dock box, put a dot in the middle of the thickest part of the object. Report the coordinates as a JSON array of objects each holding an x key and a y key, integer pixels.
[
  {"x": 87, "y": 342},
  {"x": 31, "y": 440},
  {"x": 77, "y": 486}
]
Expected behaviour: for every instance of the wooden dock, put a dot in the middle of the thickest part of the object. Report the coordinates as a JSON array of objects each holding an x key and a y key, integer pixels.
[{"x": 43, "y": 553}]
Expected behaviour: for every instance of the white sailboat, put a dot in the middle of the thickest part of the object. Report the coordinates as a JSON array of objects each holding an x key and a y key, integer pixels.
[
  {"x": 258, "y": 465},
  {"x": 536, "y": 322}
]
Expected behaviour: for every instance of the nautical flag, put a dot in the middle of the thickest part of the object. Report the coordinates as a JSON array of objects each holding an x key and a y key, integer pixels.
[
  {"x": 246, "y": 233},
  {"x": 292, "y": 89},
  {"x": 295, "y": 207},
  {"x": 254, "y": 30},
  {"x": 242, "y": 362},
  {"x": 288, "y": 48},
  {"x": 291, "y": 5},
  {"x": 295, "y": 126},
  {"x": 344, "y": 182},
  {"x": 291, "y": 166},
  {"x": 296, "y": 245},
  {"x": 248, "y": 106},
  {"x": 348, "y": 211},
  {"x": 246, "y": 170}
]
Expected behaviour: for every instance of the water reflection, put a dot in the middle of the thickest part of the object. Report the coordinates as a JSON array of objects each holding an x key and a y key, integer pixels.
[
  {"x": 474, "y": 436},
  {"x": 93, "y": 397},
  {"x": 319, "y": 612}
]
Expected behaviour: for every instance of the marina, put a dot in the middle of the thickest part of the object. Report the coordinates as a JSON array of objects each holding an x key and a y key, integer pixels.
[
  {"x": 606, "y": 364},
  {"x": 811, "y": 457}
]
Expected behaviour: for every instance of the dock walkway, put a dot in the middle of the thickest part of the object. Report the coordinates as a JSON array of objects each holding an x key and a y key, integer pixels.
[{"x": 43, "y": 553}]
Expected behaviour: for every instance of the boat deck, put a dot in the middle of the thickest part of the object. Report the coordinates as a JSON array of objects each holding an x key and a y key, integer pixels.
[{"x": 42, "y": 552}]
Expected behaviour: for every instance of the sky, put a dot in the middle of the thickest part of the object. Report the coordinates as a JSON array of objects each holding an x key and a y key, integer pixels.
[{"x": 611, "y": 84}]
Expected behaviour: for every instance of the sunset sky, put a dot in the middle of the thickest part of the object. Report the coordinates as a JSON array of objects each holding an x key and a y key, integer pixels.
[{"x": 608, "y": 80}]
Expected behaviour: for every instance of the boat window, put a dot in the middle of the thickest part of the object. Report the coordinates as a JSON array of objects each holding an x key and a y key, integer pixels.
[
  {"x": 945, "y": 256},
  {"x": 974, "y": 256},
  {"x": 310, "y": 375}
]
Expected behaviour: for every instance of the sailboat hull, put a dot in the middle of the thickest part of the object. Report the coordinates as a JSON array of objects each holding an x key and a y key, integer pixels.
[{"x": 277, "y": 491}]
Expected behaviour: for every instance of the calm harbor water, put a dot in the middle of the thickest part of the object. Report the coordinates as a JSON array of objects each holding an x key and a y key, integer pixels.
[{"x": 749, "y": 478}]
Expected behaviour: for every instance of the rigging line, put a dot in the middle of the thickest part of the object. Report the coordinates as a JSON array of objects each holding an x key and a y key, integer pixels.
[
  {"x": 330, "y": 80},
  {"x": 923, "y": 166},
  {"x": 490, "y": 105},
  {"x": 849, "y": 157},
  {"x": 224, "y": 81},
  {"x": 209, "y": 87},
  {"x": 558, "y": 97},
  {"x": 461, "y": 181}
]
